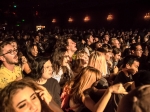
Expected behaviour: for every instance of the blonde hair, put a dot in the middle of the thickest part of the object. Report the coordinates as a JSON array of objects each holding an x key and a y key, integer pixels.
[
  {"x": 82, "y": 81},
  {"x": 78, "y": 63},
  {"x": 98, "y": 61}
]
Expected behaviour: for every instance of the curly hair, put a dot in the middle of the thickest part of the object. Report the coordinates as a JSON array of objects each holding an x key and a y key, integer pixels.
[{"x": 7, "y": 93}]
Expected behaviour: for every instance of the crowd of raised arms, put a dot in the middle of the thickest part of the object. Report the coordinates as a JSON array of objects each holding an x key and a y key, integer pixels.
[{"x": 71, "y": 70}]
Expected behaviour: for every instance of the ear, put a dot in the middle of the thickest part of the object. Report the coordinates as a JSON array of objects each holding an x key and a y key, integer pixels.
[
  {"x": 132, "y": 52},
  {"x": 2, "y": 58},
  {"x": 127, "y": 66}
]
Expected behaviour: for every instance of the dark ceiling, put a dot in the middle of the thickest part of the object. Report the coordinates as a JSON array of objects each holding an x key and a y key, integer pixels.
[{"x": 72, "y": 5}]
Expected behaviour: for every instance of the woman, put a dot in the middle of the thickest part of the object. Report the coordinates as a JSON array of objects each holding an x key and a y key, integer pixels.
[
  {"x": 62, "y": 70},
  {"x": 82, "y": 86},
  {"x": 26, "y": 96},
  {"x": 81, "y": 61},
  {"x": 42, "y": 74},
  {"x": 81, "y": 83},
  {"x": 29, "y": 58},
  {"x": 98, "y": 61}
]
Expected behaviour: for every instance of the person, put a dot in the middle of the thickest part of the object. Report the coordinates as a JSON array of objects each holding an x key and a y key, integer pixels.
[
  {"x": 42, "y": 74},
  {"x": 136, "y": 101},
  {"x": 80, "y": 85},
  {"x": 29, "y": 58},
  {"x": 9, "y": 71},
  {"x": 115, "y": 43},
  {"x": 136, "y": 49},
  {"x": 81, "y": 61},
  {"x": 98, "y": 61},
  {"x": 88, "y": 38},
  {"x": 61, "y": 68},
  {"x": 129, "y": 68},
  {"x": 26, "y": 95}
]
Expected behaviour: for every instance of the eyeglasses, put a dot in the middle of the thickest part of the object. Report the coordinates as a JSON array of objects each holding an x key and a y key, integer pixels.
[
  {"x": 139, "y": 50},
  {"x": 10, "y": 52}
]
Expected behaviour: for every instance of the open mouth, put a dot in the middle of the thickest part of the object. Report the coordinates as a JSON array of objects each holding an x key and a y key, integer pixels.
[{"x": 15, "y": 57}]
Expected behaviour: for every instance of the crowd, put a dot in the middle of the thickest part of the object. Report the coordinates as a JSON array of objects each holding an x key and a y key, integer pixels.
[{"x": 75, "y": 70}]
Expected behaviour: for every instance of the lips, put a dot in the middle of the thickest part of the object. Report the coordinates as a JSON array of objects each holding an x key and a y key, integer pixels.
[{"x": 15, "y": 57}]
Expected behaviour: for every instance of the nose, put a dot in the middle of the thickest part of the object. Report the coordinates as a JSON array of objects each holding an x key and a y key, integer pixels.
[{"x": 32, "y": 106}]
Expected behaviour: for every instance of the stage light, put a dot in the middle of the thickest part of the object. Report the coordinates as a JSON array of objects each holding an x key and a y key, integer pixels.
[
  {"x": 110, "y": 17},
  {"x": 147, "y": 16},
  {"x": 53, "y": 20},
  {"x": 86, "y": 19},
  {"x": 70, "y": 20}
]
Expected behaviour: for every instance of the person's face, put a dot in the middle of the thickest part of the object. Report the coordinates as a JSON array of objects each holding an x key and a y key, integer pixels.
[
  {"x": 85, "y": 60},
  {"x": 34, "y": 51},
  {"x": 66, "y": 59},
  {"x": 47, "y": 70},
  {"x": 138, "y": 52},
  {"x": 133, "y": 68},
  {"x": 26, "y": 100},
  {"x": 71, "y": 45},
  {"x": 117, "y": 57},
  {"x": 117, "y": 44},
  {"x": 133, "y": 41},
  {"x": 108, "y": 55},
  {"x": 90, "y": 39},
  {"x": 96, "y": 39},
  {"x": 145, "y": 39},
  {"x": 37, "y": 38},
  {"x": 106, "y": 37},
  {"x": 9, "y": 54},
  {"x": 98, "y": 45}
]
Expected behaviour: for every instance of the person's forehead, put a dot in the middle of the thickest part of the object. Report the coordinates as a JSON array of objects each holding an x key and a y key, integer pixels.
[
  {"x": 136, "y": 63},
  {"x": 138, "y": 46},
  {"x": 48, "y": 62},
  {"x": 7, "y": 47},
  {"x": 70, "y": 40}
]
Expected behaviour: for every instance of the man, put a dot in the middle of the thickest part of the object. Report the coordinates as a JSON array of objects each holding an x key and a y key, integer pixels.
[
  {"x": 106, "y": 39},
  {"x": 115, "y": 59},
  {"x": 71, "y": 47},
  {"x": 8, "y": 71},
  {"x": 115, "y": 43},
  {"x": 136, "y": 49},
  {"x": 88, "y": 38},
  {"x": 129, "y": 68}
]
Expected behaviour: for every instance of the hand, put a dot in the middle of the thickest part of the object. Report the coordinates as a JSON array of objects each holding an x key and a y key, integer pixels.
[
  {"x": 126, "y": 85},
  {"x": 118, "y": 89},
  {"x": 23, "y": 59},
  {"x": 115, "y": 69},
  {"x": 110, "y": 64},
  {"x": 19, "y": 78},
  {"x": 44, "y": 94}
]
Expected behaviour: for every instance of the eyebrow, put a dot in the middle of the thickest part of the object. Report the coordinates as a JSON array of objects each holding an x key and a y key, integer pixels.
[{"x": 24, "y": 100}]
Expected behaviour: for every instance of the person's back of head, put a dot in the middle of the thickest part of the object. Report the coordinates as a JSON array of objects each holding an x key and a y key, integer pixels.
[
  {"x": 137, "y": 100},
  {"x": 141, "y": 78}
]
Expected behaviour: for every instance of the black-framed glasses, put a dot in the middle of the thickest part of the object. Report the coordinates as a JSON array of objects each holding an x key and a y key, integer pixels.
[{"x": 10, "y": 52}]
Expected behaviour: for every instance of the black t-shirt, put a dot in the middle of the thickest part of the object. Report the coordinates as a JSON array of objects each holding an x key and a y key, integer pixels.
[
  {"x": 122, "y": 78},
  {"x": 54, "y": 89}
]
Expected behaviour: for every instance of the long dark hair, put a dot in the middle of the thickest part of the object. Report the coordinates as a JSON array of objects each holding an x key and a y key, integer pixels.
[{"x": 37, "y": 69}]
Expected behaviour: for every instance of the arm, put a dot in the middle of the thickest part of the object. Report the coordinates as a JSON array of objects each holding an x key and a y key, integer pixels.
[
  {"x": 101, "y": 104},
  {"x": 25, "y": 66},
  {"x": 45, "y": 96}
]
